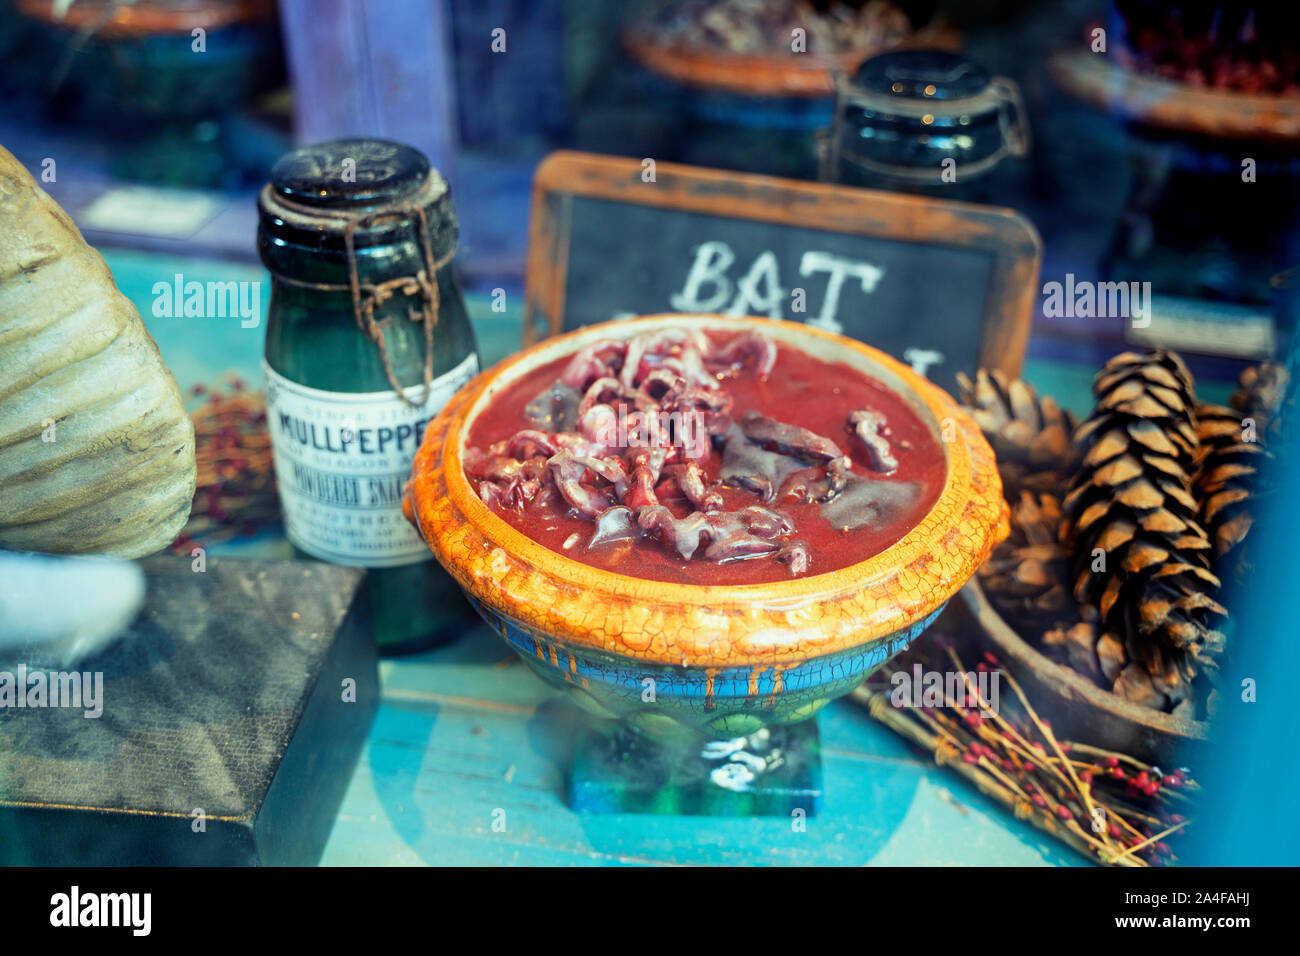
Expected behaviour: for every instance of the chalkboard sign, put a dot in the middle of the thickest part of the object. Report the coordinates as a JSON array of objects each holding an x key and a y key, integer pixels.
[{"x": 944, "y": 286}]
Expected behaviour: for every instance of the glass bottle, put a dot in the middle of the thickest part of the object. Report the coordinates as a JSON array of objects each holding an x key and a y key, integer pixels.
[{"x": 367, "y": 338}]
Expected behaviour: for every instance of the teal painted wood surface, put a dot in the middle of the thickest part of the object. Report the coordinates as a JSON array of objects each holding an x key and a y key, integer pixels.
[
  {"x": 465, "y": 762},
  {"x": 466, "y": 737}
]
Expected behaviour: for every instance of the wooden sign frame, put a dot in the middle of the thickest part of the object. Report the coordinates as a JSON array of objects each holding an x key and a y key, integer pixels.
[{"x": 1004, "y": 233}]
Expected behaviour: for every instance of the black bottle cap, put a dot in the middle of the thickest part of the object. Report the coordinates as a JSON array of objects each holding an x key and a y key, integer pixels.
[
  {"x": 370, "y": 188},
  {"x": 349, "y": 173}
]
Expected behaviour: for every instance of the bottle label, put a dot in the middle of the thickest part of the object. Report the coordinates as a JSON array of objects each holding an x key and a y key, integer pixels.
[{"x": 342, "y": 460}]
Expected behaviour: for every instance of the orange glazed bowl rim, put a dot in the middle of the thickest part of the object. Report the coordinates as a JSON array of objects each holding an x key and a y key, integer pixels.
[{"x": 704, "y": 624}]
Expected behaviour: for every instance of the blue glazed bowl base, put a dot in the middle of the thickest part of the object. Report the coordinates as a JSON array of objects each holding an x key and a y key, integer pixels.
[{"x": 772, "y": 772}]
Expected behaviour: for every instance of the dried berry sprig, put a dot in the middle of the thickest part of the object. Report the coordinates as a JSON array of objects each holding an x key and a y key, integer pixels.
[
  {"x": 1051, "y": 791},
  {"x": 1057, "y": 785},
  {"x": 1084, "y": 790},
  {"x": 996, "y": 785}
]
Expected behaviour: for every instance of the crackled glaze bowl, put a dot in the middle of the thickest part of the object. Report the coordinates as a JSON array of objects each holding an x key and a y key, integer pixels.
[{"x": 717, "y": 661}]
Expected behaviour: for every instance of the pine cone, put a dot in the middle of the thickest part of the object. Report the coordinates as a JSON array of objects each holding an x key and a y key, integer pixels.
[
  {"x": 1077, "y": 646},
  {"x": 1028, "y": 577},
  {"x": 1226, "y": 478},
  {"x": 1132, "y": 501},
  {"x": 1030, "y": 435},
  {"x": 1261, "y": 395},
  {"x": 1111, "y": 663}
]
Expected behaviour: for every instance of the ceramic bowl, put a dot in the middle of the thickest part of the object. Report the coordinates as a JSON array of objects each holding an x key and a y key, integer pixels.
[{"x": 716, "y": 661}]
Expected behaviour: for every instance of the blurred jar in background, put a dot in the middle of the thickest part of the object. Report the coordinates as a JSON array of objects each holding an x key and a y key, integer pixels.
[
  {"x": 164, "y": 84},
  {"x": 752, "y": 78},
  {"x": 929, "y": 122}
]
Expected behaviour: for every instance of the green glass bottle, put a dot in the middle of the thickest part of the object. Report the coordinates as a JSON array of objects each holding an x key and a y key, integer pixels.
[{"x": 367, "y": 338}]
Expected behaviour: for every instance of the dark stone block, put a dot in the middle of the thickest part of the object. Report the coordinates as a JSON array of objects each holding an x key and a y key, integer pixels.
[{"x": 226, "y": 696}]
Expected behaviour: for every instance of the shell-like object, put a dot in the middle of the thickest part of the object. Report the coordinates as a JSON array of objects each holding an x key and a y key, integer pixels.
[{"x": 96, "y": 449}]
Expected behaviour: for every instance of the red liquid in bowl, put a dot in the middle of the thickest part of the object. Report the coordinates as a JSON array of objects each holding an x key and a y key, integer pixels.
[{"x": 800, "y": 390}]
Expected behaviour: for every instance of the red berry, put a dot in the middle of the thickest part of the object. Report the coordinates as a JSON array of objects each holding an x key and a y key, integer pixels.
[
  {"x": 1086, "y": 776},
  {"x": 1064, "y": 813},
  {"x": 1112, "y": 761}
]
